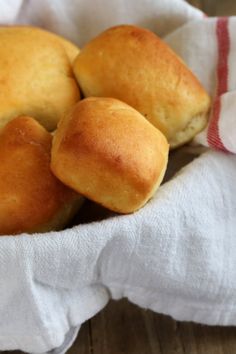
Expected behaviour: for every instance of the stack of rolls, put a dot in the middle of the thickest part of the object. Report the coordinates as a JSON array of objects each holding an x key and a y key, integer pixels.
[{"x": 111, "y": 146}]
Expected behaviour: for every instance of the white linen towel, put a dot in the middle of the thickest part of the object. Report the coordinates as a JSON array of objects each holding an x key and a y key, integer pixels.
[{"x": 177, "y": 255}]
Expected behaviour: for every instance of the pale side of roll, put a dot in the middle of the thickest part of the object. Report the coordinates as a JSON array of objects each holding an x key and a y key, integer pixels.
[
  {"x": 135, "y": 66},
  {"x": 109, "y": 153}
]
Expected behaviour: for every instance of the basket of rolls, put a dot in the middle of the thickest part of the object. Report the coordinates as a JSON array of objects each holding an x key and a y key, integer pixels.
[{"x": 117, "y": 166}]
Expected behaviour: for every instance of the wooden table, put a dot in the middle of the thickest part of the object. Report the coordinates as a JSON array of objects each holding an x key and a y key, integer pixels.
[{"x": 123, "y": 328}]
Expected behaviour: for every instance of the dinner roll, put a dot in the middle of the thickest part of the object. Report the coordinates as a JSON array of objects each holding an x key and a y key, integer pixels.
[
  {"x": 135, "y": 66},
  {"x": 32, "y": 198},
  {"x": 108, "y": 152},
  {"x": 36, "y": 76}
]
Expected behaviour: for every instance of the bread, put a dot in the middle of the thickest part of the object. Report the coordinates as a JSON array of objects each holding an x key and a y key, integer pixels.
[
  {"x": 70, "y": 48},
  {"x": 108, "y": 152},
  {"x": 135, "y": 66},
  {"x": 32, "y": 198},
  {"x": 36, "y": 76}
]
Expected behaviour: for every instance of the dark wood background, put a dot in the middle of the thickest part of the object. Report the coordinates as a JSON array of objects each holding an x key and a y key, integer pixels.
[{"x": 123, "y": 328}]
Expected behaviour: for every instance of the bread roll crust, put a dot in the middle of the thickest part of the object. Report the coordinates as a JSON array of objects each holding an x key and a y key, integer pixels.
[
  {"x": 36, "y": 76},
  {"x": 32, "y": 198},
  {"x": 108, "y": 152},
  {"x": 135, "y": 66},
  {"x": 70, "y": 48}
]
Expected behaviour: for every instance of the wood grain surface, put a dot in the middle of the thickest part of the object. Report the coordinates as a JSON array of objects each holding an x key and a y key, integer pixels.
[{"x": 123, "y": 328}]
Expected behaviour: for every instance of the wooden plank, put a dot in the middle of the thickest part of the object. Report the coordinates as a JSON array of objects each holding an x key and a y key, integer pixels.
[
  {"x": 228, "y": 338},
  {"x": 167, "y": 331},
  {"x": 122, "y": 328},
  {"x": 198, "y": 339},
  {"x": 83, "y": 344}
]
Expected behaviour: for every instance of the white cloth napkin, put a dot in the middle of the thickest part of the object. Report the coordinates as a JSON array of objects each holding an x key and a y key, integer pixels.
[
  {"x": 209, "y": 48},
  {"x": 175, "y": 256}
]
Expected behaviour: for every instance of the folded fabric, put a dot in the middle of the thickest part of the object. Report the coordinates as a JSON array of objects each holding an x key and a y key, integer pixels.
[
  {"x": 80, "y": 20},
  {"x": 177, "y": 255},
  {"x": 209, "y": 48}
]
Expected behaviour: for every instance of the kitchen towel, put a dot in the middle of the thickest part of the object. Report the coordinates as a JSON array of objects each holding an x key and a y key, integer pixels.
[{"x": 175, "y": 256}]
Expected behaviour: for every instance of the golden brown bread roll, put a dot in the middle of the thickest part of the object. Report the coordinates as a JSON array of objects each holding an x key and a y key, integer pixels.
[
  {"x": 135, "y": 66},
  {"x": 36, "y": 77},
  {"x": 108, "y": 152},
  {"x": 32, "y": 198}
]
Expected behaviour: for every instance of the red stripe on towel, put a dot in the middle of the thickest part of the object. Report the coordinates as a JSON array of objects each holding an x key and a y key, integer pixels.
[{"x": 222, "y": 33}]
